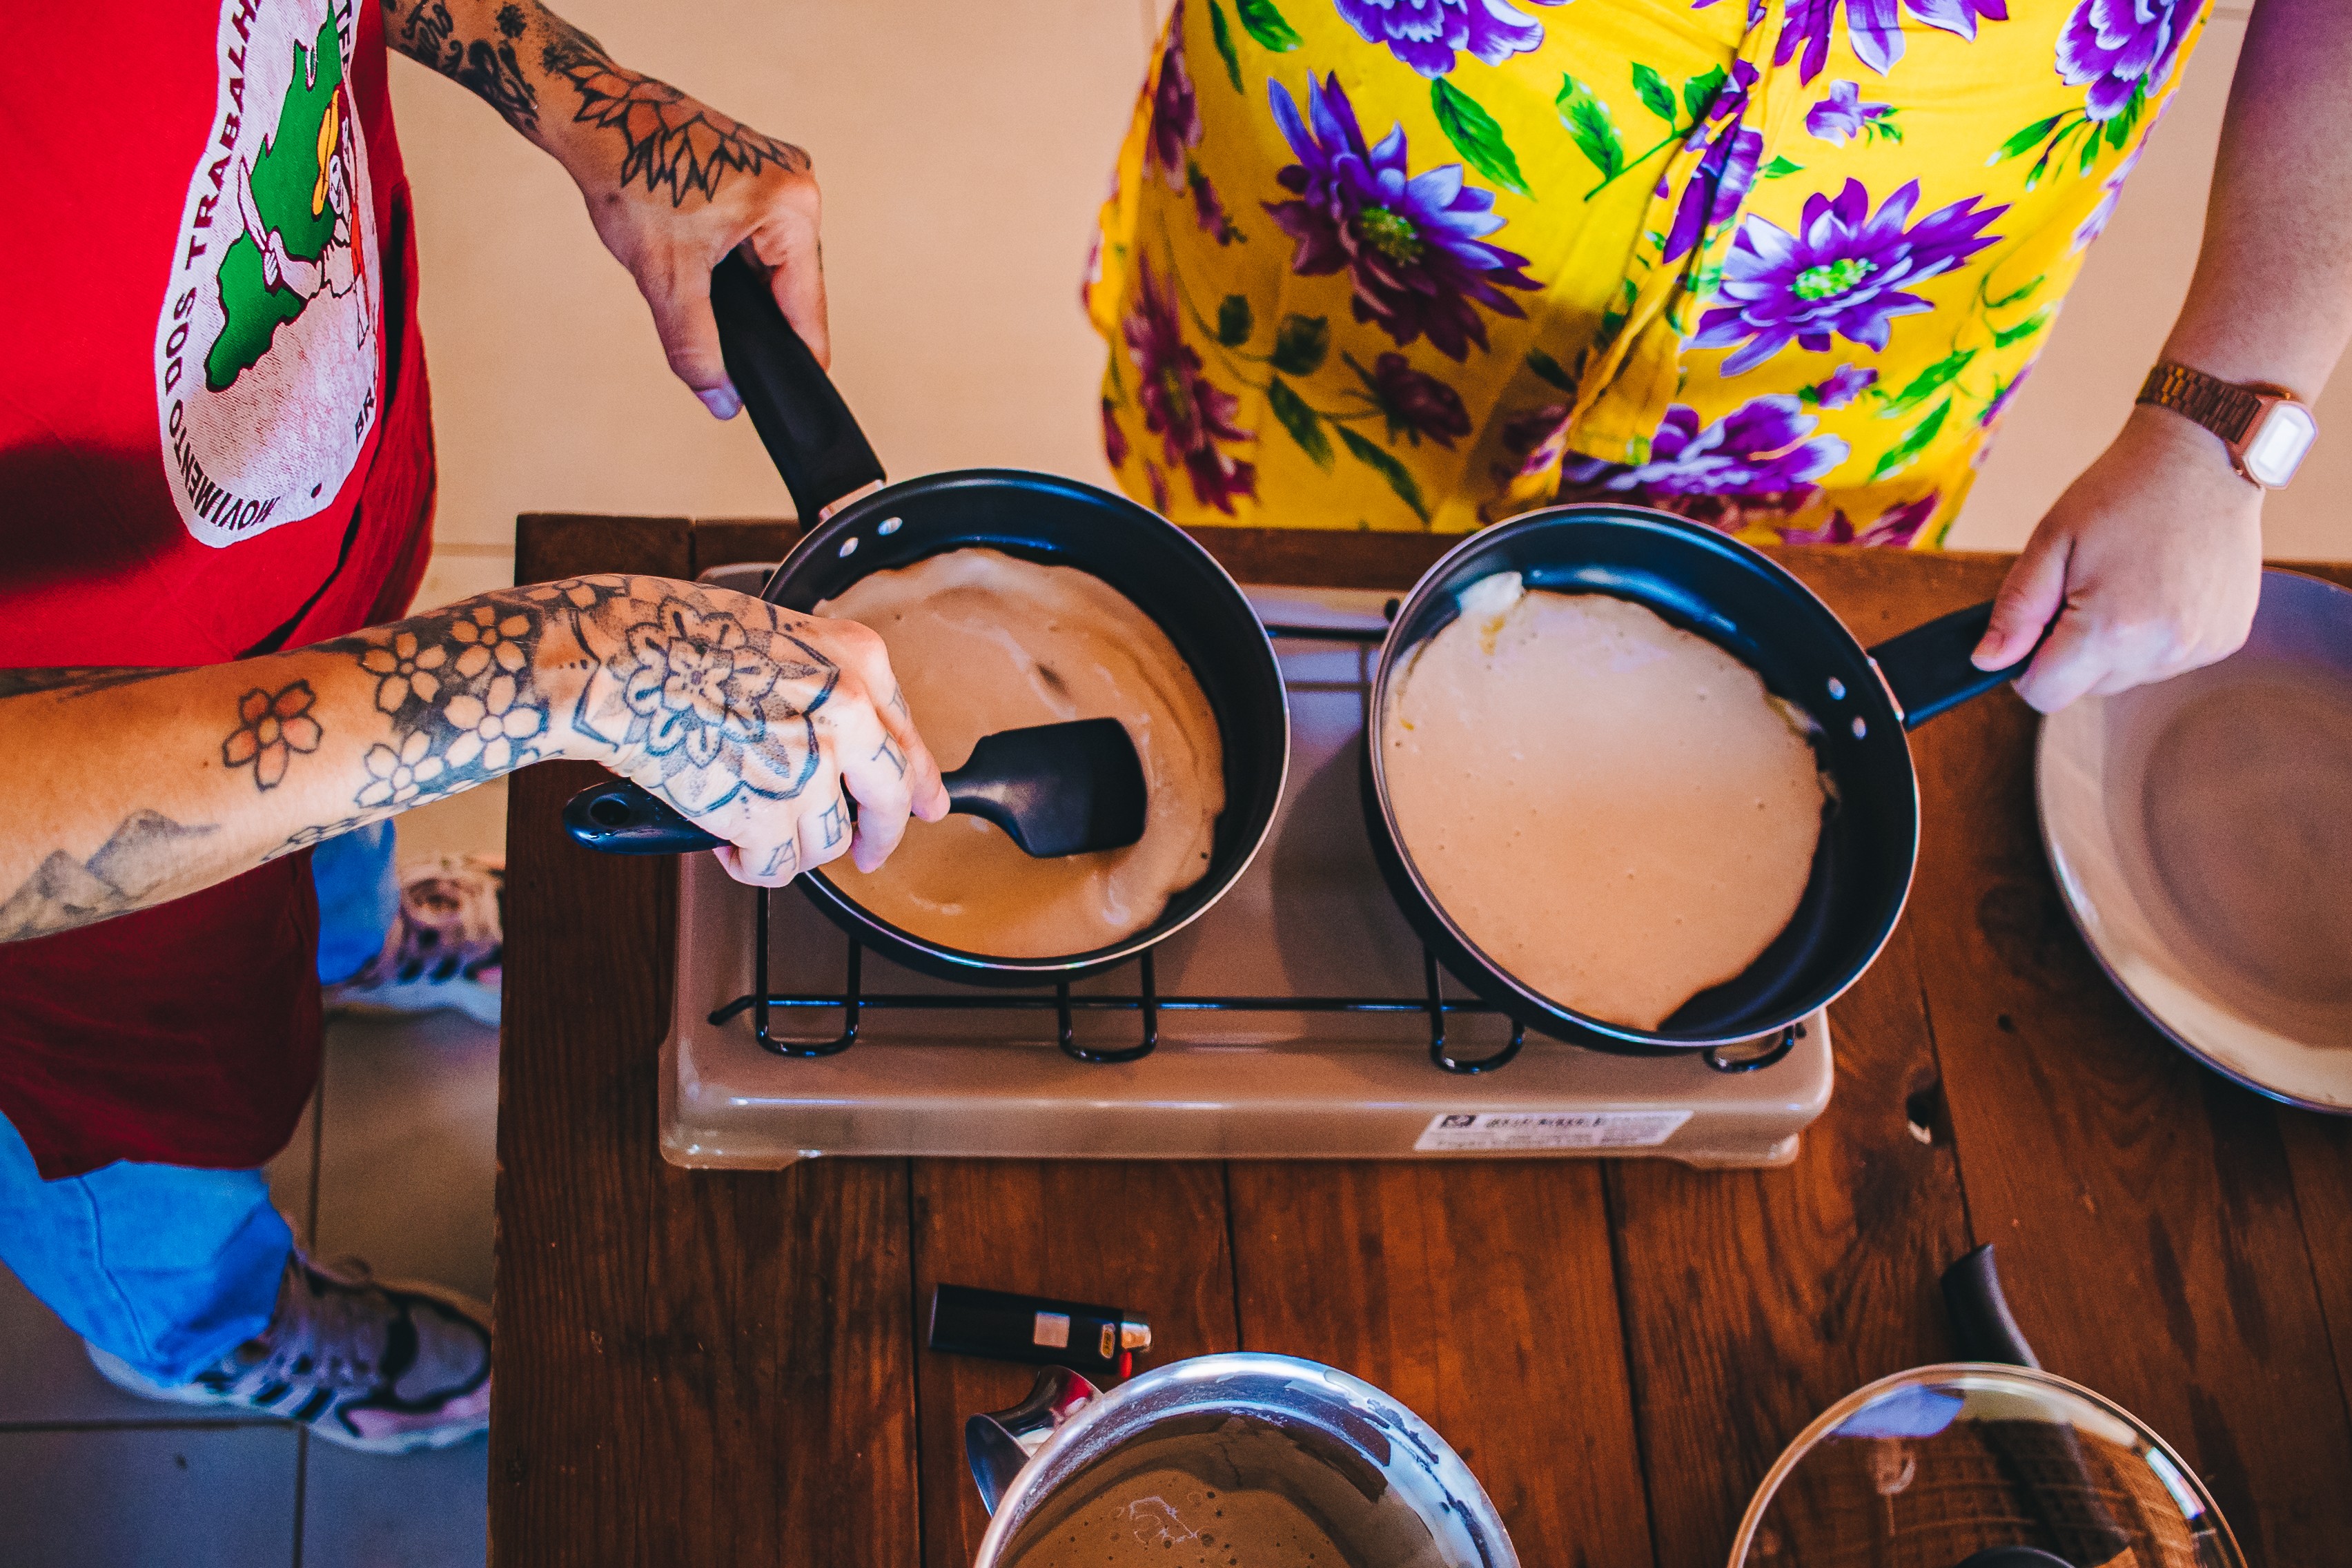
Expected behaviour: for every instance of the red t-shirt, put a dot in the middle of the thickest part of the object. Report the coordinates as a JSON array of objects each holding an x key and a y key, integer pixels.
[{"x": 214, "y": 443}]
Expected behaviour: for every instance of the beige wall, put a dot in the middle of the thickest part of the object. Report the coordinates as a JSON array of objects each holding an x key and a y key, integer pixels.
[{"x": 964, "y": 150}]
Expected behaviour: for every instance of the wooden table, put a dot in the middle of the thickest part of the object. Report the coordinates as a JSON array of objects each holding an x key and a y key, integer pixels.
[{"x": 725, "y": 1368}]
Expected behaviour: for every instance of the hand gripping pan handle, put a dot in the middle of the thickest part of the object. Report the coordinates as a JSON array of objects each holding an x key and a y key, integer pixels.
[
  {"x": 816, "y": 444},
  {"x": 799, "y": 414},
  {"x": 1928, "y": 667}
]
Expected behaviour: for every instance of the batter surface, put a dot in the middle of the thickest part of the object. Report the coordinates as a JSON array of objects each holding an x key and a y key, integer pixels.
[
  {"x": 1613, "y": 810},
  {"x": 1173, "y": 1518},
  {"x": 984, "y": 642}
]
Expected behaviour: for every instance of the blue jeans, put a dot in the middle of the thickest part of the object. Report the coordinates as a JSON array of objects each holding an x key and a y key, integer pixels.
[
  {"x": 167, "y": 1267},
  {"x": 170, "y": 1268},
  {"x": 359, "y": 898}
]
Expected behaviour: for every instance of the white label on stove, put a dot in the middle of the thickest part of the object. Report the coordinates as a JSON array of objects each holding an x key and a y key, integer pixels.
[
  {"x": 1051, "y": 1329},
  {"x": 1504, "y": 1131}
]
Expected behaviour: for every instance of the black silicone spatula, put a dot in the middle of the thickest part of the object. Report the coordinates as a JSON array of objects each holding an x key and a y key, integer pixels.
[{"x": 1056, "y": 789}]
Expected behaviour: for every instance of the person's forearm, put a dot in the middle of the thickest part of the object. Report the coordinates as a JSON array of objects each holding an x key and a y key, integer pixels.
[
  {"x": 2271, "y": 300},
  {"x": 604, "y": 122},
  {"x": 132, "y": 787}
]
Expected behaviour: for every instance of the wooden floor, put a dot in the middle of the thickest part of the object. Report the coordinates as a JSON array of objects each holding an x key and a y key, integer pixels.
[{"x": 724, "y": 1368}]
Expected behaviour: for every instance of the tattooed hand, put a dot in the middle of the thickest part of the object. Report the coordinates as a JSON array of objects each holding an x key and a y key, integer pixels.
[
  {"x": 750, "y": 719},
  {"x": 138, "y": 785},
  {"x": 672, "y": 185}
]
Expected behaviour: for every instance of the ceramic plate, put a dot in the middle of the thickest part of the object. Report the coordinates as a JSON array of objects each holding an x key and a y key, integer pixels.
[{"x": 2201, "y": 834}]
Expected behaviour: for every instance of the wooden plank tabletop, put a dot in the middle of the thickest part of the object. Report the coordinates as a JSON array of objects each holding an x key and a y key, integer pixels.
[{"x": 717, "y": 1367}]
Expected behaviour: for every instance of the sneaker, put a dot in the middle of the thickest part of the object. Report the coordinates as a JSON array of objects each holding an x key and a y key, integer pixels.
[
  {"x": 383, "y": 1367},
  {"x": 445, "y": 948}
]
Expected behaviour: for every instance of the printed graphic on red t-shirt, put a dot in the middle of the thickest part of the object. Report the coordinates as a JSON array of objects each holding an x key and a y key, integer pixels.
[{"x": 266, "y": 354}]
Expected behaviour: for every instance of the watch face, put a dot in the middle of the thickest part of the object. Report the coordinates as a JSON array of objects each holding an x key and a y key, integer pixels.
[{"x": 2278, "y": 444}]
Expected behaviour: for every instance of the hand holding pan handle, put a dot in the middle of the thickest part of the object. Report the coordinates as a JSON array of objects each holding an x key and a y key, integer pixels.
[
  {"x": 799, "y": 414},
  {"x": 822, "y": 456},
  {"x": 1928, "y": 667},
  {"x": 2045, "y": 1464}
]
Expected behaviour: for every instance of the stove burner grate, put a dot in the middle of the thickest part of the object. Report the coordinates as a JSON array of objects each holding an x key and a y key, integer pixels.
[{"x": 853, "y": 1000}]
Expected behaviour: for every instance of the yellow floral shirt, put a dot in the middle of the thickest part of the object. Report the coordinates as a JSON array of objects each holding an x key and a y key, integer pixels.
[{"x": 1774, "y": 263}]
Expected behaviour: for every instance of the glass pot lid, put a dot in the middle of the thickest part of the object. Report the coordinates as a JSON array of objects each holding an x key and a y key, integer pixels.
[{"x": 1976, "y": 1465}]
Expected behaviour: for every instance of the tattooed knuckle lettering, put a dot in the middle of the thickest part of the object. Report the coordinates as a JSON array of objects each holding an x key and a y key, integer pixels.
[
  {"x": 889, "y": 752},
  {"x": 828, "y": 823}
]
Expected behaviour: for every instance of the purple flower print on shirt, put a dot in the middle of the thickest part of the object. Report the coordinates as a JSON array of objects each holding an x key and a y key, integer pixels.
[
  {"x": 1189, "y": 413},
  {"x": 1425, "y": 33},
  {"x": 1875, "y": 28},
  {"x": 2120, "y": 49},
  {"x": 1175, "y": 127},
  {"x": 1411, "y": 247},
  {"x": 1842, "y": 274},
  {"x": 1414, "y": 404},
  {"x": 1114, "y": 438},
  {"x": 1846, "y": 384},
  {"x": 1724, "y": 172},
  {"x": 1896, "y": 527},
  {"x": 1210, "y": 213},
  {"x": 1763, "y": 448},
  {"x": 1842, "y": 115}
]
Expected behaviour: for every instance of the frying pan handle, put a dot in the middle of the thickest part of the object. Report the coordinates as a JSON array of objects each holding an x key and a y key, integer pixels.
[
  {"x": 1928, "y": 667},
  {"x": 1980, "y": 1315},
  {"x": 795, "y": 406},
  {"x": 619, "y": 818},
  {"x": 2055, "y": 1479}
]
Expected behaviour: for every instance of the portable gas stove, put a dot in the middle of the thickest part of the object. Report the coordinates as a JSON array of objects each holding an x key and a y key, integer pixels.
[{"x": 1300, "y": 1017}]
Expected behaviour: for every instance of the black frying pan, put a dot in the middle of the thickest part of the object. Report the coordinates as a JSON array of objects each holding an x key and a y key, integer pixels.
[
  {"x": 825, "y": 458},
  {"x": 1863, "y": 699}
]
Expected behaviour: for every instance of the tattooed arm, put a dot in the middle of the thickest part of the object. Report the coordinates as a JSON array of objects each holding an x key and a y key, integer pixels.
[
  {"x": 146, "y": 784},
  {"x": 671, "y": 183}
]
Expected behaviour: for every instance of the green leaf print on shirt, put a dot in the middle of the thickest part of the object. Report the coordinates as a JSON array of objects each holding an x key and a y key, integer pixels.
[
  {"x": 1234, "y": 321},
  {"x": 1399, "y": 476},
  {"x": 1476, "y": 135},
  {"x": 2025, "y": 328},
  {"x": 1915, "y": 441},
  {"x": 1927, "y": 383},
  {"x": 1587, "y": 119},
  {"x": 1266, "y": 26},
  {"x": 1698, "y": 93},
  {"x": 1305, "y": 425},
  {"x": 1656, "y": 96},
  {"x": 1780, "y": 169},
  {"x": 1544, "y": 365},
  {"x": 1300, "y": 344},
  {"x": 1222, "y": 37},
  {"x": 2053, "y": 134}
]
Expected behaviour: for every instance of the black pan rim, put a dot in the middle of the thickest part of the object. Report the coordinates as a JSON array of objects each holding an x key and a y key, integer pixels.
[
  {"x": 1531, "y": 1006},
  {"x": 985, "y": 968}
]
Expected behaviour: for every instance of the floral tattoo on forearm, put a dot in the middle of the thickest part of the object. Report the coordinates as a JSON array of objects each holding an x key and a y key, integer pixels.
[
  {"x": 710, "y": 692},
  {"x": 272, "y": 728},
  {"x": 670, "y": 142}
]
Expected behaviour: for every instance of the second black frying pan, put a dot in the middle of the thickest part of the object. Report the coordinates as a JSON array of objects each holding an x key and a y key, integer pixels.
[{"x": 1863, "y": 699}]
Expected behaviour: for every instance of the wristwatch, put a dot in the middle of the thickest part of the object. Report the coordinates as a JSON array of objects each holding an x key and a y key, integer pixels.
[{"x": 2266, "y": 428}]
